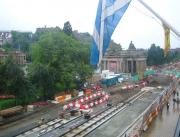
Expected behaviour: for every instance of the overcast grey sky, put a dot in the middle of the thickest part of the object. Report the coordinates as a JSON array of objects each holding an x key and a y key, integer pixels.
[{"x": 137, "y": 24}]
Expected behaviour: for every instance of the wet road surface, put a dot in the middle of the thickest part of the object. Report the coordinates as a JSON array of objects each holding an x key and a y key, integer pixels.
[{"x": 165, "y": 124}]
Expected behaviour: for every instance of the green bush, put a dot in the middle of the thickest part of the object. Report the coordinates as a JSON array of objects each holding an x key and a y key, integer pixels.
[{"x": 7, "y": 103}]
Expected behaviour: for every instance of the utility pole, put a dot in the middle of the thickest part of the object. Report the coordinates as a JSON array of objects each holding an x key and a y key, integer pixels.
[{"x": 160, "y": 18}]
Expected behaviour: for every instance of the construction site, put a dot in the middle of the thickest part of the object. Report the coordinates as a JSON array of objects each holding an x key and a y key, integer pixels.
[{"x": 123, "y": 109}]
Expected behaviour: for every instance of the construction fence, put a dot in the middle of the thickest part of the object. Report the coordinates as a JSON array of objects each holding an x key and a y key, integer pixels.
[{"x": 144, "y": 121}]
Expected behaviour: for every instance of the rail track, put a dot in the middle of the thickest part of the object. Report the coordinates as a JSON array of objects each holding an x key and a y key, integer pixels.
[
  {"x": 47, "y": 127},
  {"x": 98, "y": 119},
  {"x": 78, "y": 126}
]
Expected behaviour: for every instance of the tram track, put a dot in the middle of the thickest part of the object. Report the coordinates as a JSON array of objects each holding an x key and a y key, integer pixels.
[
  {"x": 97, "y": 120},
  {"x": 49, "y": 126}
]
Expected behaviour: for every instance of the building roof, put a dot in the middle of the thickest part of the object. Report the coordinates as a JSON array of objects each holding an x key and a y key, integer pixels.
[
  {"x": 131, "y": 46},
  {"x": 115, "y": 51},
  {"x": 16, "y": 53}
]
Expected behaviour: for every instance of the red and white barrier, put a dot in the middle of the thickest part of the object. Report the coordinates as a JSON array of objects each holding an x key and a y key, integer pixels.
[
  {"x": 131, "y": 86},
  {"x": 90, "y": 99}
]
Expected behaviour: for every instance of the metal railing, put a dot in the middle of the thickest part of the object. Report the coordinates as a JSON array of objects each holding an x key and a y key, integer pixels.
[{"x": 177, "y": 131}]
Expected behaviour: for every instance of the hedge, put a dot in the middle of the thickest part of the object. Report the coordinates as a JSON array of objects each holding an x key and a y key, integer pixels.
[{"x": 7, "y": 103}]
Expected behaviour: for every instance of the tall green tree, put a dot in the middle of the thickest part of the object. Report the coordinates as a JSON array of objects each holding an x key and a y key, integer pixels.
[
  {"x": 67, "y": 28},
  {"x": 58, "y": 62},
  {"x": 13, "y": 81},
  {"x": 155, "y": 55},
  {"x": 43, "y": 78}
]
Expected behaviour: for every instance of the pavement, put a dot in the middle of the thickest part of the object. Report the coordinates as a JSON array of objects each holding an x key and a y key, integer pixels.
[
  {"x": 119, "y": 123},
  {"x": 165, "y": 123}
]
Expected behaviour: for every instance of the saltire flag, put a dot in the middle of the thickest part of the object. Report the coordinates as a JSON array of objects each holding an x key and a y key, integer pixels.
[
  {"x": 166, "y": 40},
  {"x": 109, "y": 13}
]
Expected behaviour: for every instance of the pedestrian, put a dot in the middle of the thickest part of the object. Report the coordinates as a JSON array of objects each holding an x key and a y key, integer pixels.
[
  {"x": 174, "y": 101},
  {"x": 174, "y": 92},
  {"x": 161, "y": 109},
  {"x": 167, "y": 105},
  {"x": 178, "y": 100}
]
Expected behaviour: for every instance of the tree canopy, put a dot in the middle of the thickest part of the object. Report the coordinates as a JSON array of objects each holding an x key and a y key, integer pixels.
[
  {"x": 13, "y": 81},
  {"x": 156, "y": 56},
  {"x": 67, "y": 28},
  {"x": 59, "y": 63},
  {"x": 22, "y": 40}
]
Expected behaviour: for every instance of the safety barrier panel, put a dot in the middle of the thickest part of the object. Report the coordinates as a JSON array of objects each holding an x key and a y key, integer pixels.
[
  {"x": 131, "y": 86},
  {"x": 88, "y": 101}
]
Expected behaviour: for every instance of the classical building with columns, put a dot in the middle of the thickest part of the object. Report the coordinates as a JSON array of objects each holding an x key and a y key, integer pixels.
[{"x": 124, "y": 61}]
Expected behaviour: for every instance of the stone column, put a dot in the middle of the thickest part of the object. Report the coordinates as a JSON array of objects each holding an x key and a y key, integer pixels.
[
  {"x": 145, "y": 65},
  {"x": 138, "y": 66},
  {"x": 122, "y": 69},
  {"x": 132, "y": 67},
  {"x": 127, "y": 67},
  {"x": 123, "y": 66},
  {"x": 119, "y": 66},
  {"x": 141, "y": 66},
  {"x": 135, "y": 65}
]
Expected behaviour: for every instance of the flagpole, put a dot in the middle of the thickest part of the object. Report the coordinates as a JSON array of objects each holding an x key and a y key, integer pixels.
[
  {"x": 160, "y": 18},
  {"x": 101, "y": 35}
]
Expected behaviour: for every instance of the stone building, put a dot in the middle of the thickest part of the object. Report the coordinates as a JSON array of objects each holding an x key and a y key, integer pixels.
[
  {"x": 124, "y": 61},
  {"x": 18, "y": 57},
  {"x": 5, "y": 37},
  {"x": 48, "y": 29}
]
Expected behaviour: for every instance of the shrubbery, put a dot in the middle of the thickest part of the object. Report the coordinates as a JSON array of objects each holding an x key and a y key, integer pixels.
[{"x": 7, "y": 103}]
